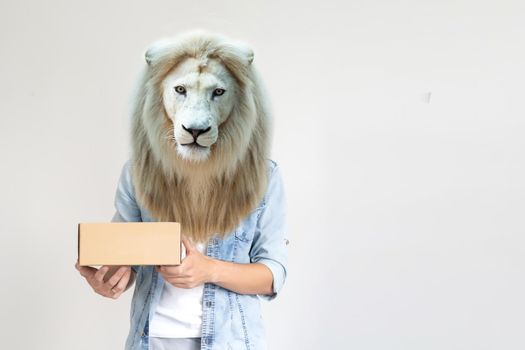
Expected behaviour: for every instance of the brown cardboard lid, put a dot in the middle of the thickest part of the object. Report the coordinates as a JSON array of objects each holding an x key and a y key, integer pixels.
[{"x": 129, "y": 243}]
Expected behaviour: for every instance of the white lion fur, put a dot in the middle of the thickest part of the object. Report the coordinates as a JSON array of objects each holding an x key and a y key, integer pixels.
[{"x": 212, "y": 191}]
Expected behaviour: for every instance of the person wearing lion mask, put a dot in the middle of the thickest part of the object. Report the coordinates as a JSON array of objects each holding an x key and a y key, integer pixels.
[{"x": 201, "y": 131}]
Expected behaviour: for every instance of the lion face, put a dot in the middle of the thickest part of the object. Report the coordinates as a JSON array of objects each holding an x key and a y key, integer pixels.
[
  {"x": 198, "y": 96},
  {"x": 201, "y": 132}
]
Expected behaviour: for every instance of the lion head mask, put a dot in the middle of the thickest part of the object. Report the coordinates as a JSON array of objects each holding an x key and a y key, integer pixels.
[{"x": 200, "y": 133}]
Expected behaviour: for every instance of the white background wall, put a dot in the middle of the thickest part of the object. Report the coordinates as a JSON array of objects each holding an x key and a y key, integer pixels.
[{"x": 405, "y": 214}]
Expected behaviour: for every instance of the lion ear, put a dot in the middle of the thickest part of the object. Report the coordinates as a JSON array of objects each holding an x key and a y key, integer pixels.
[
  {"x": 248, "y": 54},
  {"x": 250, "y": 57},
  {"x": 243, "y": 50},
  {"x": 151, "y": 55},
  {"x": 158, "y": 49},
  {"x": 148, "y": 58}
]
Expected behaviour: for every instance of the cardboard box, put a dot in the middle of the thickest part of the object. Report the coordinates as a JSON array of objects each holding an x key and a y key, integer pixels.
[{"x": 129, "y": 243}]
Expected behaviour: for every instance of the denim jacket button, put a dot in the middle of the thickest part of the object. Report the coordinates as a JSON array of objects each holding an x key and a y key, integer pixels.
[{"x": 142, "y": 334}]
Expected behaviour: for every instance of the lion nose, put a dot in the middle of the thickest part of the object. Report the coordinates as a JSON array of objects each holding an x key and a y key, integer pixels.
[{"x": 196, "y": 132}]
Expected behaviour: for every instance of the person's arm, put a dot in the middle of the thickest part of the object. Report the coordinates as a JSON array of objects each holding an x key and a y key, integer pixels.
[
  {"x": 112, "y": 281},
  {"x": 126, "y": 206},
  {"x": 270, "y": 240},
  {"x": 254, "y": 278},
  {"x": 265, "y": 274},
  {"x": 197, "y": 268}
]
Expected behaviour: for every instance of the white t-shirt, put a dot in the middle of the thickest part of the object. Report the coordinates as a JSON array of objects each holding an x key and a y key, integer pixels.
[{"x": 179, "y": 312}]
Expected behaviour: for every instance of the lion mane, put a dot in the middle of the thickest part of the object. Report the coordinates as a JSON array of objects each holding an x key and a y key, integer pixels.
[{"x": 212, "y": 196}]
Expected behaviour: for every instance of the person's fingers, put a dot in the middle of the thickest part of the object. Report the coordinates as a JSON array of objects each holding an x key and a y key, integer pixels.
[
  {"x": 180, "y": 280},
  {"x": 113, "y": 280},
  {"x": 86, "y": 271},
  {"x": 187, "y": 244},
  {"x": 121, "y": 285},
  {"x": 181, "y": 284},
  {"x": 99, "y": 275},
  {"x": 171, "y": 270}
]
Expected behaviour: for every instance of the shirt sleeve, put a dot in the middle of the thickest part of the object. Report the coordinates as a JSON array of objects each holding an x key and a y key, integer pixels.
[
  {"x": 126, "y": 206},
  {"x": 271, "y": 237}
]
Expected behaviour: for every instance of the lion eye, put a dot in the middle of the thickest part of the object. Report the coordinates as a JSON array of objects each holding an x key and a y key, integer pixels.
[
  {"x": 180, "y": 89},
  {"x": 218, "y": 92}
]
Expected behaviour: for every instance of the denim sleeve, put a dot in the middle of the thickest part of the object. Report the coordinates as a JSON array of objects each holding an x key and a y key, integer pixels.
[
  {"x": 126, "y": 207},
  {"x": 271, "y": 236}
]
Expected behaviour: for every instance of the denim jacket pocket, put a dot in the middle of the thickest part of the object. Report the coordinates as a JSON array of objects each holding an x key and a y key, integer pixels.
[
  {"x": 245, "y": 231},
  {"x": 243, "y": 236}
]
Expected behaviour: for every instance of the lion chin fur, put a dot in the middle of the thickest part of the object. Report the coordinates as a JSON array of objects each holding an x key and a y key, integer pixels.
[{"x": 212, "y": 196}]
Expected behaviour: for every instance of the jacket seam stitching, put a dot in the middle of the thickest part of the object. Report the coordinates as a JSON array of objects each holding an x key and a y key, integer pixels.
[{"x": 243, "y": 321}]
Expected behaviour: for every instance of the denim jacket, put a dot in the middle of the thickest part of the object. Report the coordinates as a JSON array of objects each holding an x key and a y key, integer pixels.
[{"x": 229, "y": 320}]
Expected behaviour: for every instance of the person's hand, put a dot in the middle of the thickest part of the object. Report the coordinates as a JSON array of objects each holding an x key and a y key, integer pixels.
[
  {"x": 194, "y": 270},
  {"x": 110, "y": 285}
]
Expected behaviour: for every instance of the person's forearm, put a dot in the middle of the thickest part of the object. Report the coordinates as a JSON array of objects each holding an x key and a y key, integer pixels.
[{"x": 254, "y": 278}]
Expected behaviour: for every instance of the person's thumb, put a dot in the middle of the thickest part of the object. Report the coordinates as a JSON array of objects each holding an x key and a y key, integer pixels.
[{"x": 189, "y": 246}]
